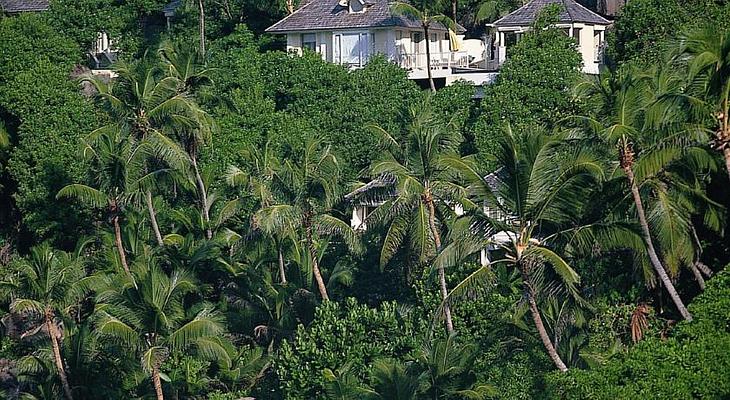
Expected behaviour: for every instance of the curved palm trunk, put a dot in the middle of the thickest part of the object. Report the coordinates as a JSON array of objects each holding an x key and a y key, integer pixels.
[
  {"x": 157, "y": 383},
  {"x": 428, "y": 58},
  {"x": 201, "y": 10},
  {"x": 653, "y": 257},
  {"x": 442, "y": 275},
  {"x": 724, "y": 134},
  {"x": 203, "y": 197},
  {"x": 282, "y": 272},
  {"x": 118, "y": 240},
  {"x": 153, "y": 218},
  {"x": 544, "y": 337},
  {"x": 315, "y": 262},
  {"x": 53, "y": 334},
  {"x": 698, "y": 276}
]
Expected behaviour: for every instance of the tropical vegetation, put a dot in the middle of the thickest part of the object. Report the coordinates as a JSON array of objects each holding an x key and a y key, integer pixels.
[{"x": 183, "y": 227}]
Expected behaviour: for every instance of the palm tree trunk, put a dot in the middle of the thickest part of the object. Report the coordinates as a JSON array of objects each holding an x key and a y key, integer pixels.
[
  {"x": 442, "y": 274},
  {"x": 724, "y": 134},
  {"x": 53, "y": 334},
  {"x": 157, "y": 383},
  {"x": 282, "y": 272},
  {"x": 203, "y": 197},
  {"x": 537, "y": 319},
  {"x": 315, "y": 262},
  {"x": 653, "y": 257},
  {"x": 118, "y": 242},
  {"x": 698, "y": 275},
  {"x": 704, "y": 269},
  {"x": 428, "y": 58},
  {"x": 454, "y": 7},
  {"x": 153, "y": 218},
  {"x": 202, "y": 27}
]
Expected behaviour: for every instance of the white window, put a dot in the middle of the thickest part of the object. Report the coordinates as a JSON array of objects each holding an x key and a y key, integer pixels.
[
  {"x": 309, "y": 41},
  {"x": 352, "y": 49}
]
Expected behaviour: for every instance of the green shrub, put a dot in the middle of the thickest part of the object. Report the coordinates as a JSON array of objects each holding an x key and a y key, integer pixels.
[
  {"x": 694, "y": 363},
  {"x": 343, "y": 334}
]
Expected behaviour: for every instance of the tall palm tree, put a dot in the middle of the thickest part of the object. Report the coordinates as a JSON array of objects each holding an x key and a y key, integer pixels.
[
  {"x": 146, "y": 314},
  {"x": 258, "y": 180},
  {"x": 426, "y": 12},
  {"x": 532, "y": 203},
  {"x": 116, "y": 160},
  {"x": 673, "y": 166},
  {"x": 624, "y": 100},
  {"x": 45, "y": 287},
  {"x": 144, "y": 105},
  {"x": 423, "y": 185},
  {"x": 707, "y": 53},
  {"x": 309, "y": 183}
]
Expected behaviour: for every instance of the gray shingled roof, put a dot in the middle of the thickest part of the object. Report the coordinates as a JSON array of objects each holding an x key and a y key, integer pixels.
[
  {"x": 16, "y": 6},
  {"x": 328, "y": 14},
  {"x": 572, "y": 12}
]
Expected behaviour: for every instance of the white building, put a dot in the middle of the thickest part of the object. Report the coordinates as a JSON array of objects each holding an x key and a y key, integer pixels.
[
  {"x": 350, "y": 32},
  {"x": 587, "y": 27}
]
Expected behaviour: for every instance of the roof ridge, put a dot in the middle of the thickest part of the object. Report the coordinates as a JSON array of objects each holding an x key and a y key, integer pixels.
[{"x": 590, "y": 11}]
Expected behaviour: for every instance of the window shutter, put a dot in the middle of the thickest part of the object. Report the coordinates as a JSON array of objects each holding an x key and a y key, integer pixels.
[{"x": 336, "y": 54}]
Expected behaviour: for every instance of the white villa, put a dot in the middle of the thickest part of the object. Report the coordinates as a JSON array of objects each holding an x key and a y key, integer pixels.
[
  {"x": 587, "y": 27},
  {"x": 350, "y": 32}
]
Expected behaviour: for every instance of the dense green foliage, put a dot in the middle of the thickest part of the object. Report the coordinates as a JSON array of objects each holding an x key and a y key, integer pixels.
[
  {"x": 532, "y": 86},
  {"x": 690, "y": 363},
  {"x": 182, "y": 229},
  {"x": 646, "y": 26}
]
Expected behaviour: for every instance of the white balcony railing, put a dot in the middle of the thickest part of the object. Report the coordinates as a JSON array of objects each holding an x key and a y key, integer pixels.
[{"x": 439, "y": 60}]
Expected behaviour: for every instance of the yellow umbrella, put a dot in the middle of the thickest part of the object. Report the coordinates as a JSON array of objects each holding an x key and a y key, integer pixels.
[{"x": 454, "y": 41}]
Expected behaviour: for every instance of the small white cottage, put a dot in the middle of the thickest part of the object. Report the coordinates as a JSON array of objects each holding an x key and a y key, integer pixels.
[{"x": 587, "y": 27}]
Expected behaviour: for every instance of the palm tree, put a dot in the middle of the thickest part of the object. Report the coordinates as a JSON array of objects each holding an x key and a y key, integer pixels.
[
  {"x": 674, "y": 166},
  {"x": 309, "y": 184},
  {"x": 393, "y": 380},
  {"x": 707, "y": 53},
  {"x": 423, "y": 183},
  {"x": 146, "y": 314},
  {"x": 447, "y": 364},
  {"x": 116, "y": 161},
  {"x": 534, "y": 201},
  {"x": 145, "y": 106},
  {"x": 258, "y": 181},
  {"x": 186, "y": 65},
  {"x": 45, "y": 287},
  {"x": 624, "y": 100},
  {"x": 427, "y": 14},
  {"x": 489, "y": 10}
]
